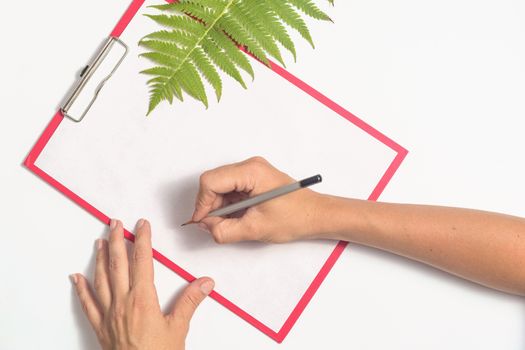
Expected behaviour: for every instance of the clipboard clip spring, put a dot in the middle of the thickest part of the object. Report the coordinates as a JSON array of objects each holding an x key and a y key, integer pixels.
[{"x": 87, "y": 73}]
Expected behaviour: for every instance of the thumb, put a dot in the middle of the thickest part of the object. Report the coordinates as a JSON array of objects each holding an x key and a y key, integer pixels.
[{"x": 190, "y": 299}]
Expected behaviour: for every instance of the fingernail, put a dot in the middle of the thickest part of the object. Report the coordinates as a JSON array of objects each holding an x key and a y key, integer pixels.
[
  {"x": 74, "y": 278},
  {"x": 203, "y": 227},
  {"x": 112, "y": 224},
  {"x": 140, "y": 223},
  {"x": 99, "y": 242},
  {"x": 207, "y": 287}
]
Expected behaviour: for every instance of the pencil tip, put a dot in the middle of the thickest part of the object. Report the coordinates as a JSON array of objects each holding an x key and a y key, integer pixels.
[{"x": 187, "y": 223}]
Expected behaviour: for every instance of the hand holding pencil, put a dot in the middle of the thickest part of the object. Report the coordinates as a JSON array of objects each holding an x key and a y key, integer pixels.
[
  {"x": 461, "y": 241},
  {"x": 281, "y": 219}
]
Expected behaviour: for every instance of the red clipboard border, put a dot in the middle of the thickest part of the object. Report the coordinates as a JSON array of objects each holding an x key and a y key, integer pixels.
[{"x": 334, "y": 256}]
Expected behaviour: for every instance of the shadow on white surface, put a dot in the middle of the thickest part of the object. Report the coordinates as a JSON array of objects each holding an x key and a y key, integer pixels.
[
  {"x": 178, "y": 198},
  {"x": 87, "y": 337},
  {"x": 168, "y": 305}
]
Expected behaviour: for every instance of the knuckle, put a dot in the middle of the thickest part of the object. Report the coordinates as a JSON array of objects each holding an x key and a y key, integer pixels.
[
  {"x": 118, "y": 313},
  {"x": 98, "y": 284},
  {"x": 250, "y": 231},
  {"x": 114, "y": 263},
  {"x": 100, "y": 257},
  {"x": 141, "y": 255},
  {"x": 218, "y": 234},
  {"x": 114, "y": 237},
  {"x": 258, "y": 159},
  {"x": 81, "y": 293},
  {"x": 191, "y": 301},
  {"x": 84, "y": 305},
  {"x": 258, "y": 165},
  {"x": 251, "y": 228},
  {"x": 218, "y": 239},
  {"x": 138, "y": 302},
  {"x": 102, "y": 336},
  {"x": 204, "y": 178}
]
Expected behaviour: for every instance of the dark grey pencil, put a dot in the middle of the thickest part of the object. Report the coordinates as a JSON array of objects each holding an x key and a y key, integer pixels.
[{"x": 263, "y": 197}]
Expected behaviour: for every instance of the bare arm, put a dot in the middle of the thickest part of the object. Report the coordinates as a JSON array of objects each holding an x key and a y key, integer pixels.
[{"x": 484, "y": 247}]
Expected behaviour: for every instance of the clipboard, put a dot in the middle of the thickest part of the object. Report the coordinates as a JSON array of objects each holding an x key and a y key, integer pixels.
[{"x": 322, "y": 254}]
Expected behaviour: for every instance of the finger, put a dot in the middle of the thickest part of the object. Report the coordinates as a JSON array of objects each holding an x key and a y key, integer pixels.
[
  {"x": 118, "y": 261},
  {"x": 102, "y": 284},
  {"x": 225, "y": 179},
  {"x": 142, "y": 261},
  {"x": 190, "y": 299},
  {"x": 230, "y": 230},
  {"x": 88, "y": 302}
]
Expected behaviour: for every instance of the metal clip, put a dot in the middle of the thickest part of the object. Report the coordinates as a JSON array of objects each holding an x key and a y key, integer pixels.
[{"x": 87, "y": 74}]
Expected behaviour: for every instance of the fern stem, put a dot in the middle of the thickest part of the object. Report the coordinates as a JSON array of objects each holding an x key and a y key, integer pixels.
[{"x": 210, "y": 27}]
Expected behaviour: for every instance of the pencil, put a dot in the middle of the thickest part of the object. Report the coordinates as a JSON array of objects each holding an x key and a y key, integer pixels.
[{"x": 263, "y": 197}]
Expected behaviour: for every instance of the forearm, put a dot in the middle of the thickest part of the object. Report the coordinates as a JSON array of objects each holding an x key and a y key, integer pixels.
[{"x": 484, "y": 247}]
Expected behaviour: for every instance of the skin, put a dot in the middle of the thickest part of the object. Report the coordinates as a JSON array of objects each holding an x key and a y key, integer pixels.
[
  {"x": 123, "y": 308},
  {"x": 487, "y": 248}
]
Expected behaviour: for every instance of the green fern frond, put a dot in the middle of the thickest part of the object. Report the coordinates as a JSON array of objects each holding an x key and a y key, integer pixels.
[
  {"x": 289, "y": 16},
  {"x": 308, "y": 8},
  {"x": 200, "y": 37}
]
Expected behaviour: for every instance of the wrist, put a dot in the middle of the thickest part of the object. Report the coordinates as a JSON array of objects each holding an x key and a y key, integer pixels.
[
  {"x": 336, "y": 218},
  {"x": 321, "y": 225}
]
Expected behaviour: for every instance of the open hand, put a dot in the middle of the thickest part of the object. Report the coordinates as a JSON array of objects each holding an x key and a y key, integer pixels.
[{"x": 123, "y": 309}]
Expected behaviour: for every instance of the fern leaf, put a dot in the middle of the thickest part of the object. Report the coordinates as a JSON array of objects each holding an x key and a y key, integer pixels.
[
  {"x": 231, "y": 26},
  {"x": 160, "y": 58},
  {"x": 155, "y": 98},
  {"x": 229, "y": 48},
  {"x": 195, "y": 10},
  {"x": 218, "y": 57},
  {"x": 309, "y": 8},
  {"x": 158, "y": 71},
  {"x": 191, "y": 83},
  {"x": 200, "y": 37},
  {"x": 173, "y": 86},
  {"x": 166, "y": 48},
  {"x": 247, "y": 16},
  {"x": 203, "y": 64},
  {"x": 275, "y": 28},
  {"x": 179, "y": 38},
  {"x": 291, "y": 17},
  {"x": 182, "y": 23}
]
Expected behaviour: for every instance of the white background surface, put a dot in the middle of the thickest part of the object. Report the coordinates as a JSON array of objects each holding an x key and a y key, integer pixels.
[{"x": 445, "y": 80}]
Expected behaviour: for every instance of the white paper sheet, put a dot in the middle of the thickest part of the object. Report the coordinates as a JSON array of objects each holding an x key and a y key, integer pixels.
[{"x": 130, "y": 166}]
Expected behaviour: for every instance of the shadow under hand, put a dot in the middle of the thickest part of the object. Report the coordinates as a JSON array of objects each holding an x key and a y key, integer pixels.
[
  {"x": 178, "y": 201},
  {"x": 88, "y": 339},
  {"x": 168, "y": 307}
]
